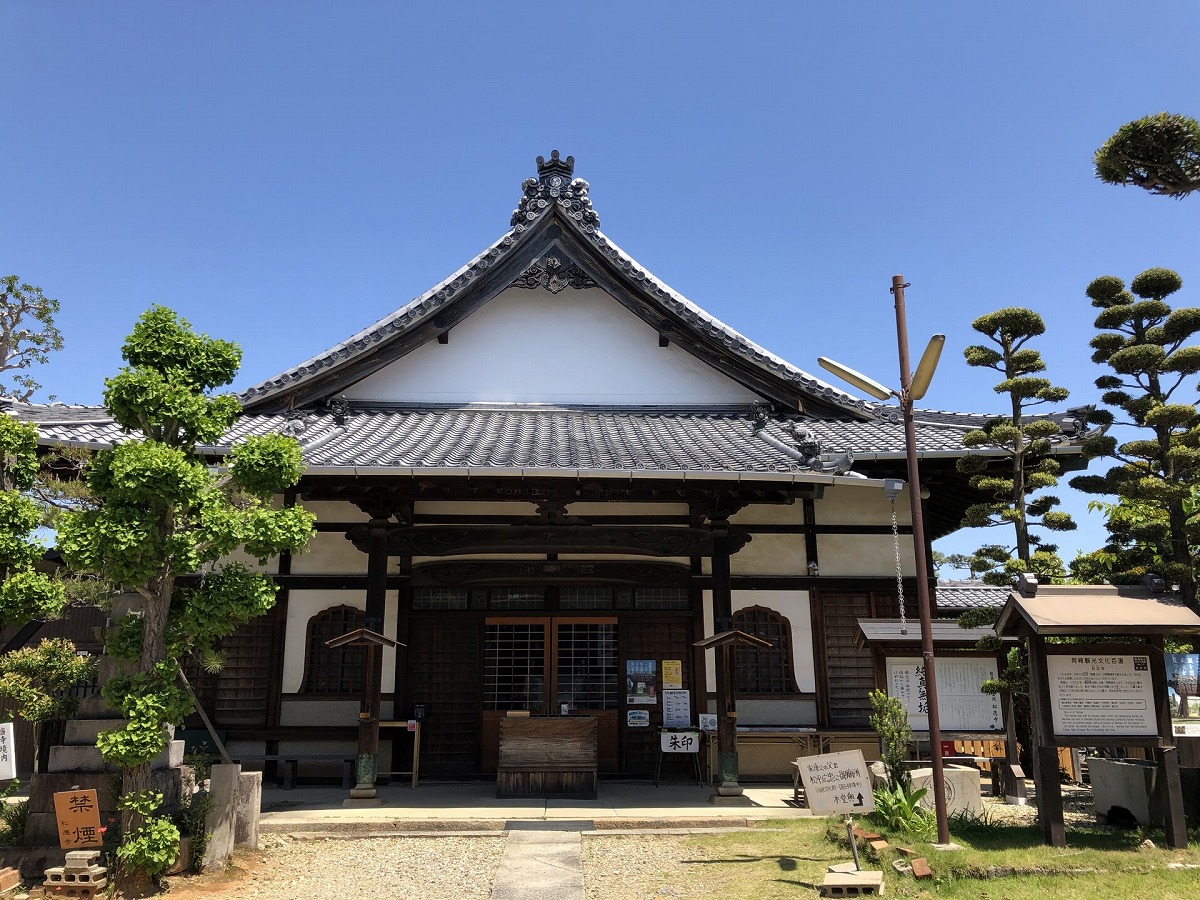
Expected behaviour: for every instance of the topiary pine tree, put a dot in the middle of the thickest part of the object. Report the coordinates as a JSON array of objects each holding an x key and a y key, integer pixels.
[
  {"x": 164, "y": 510},
  {"x": 1026, "y": 444},
  {"x": 1159, "y": 153},
  {"x": 1145, "y": 343}
]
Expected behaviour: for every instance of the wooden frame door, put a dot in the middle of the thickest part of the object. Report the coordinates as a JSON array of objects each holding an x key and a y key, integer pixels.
[{"x": 536, "y": 664}]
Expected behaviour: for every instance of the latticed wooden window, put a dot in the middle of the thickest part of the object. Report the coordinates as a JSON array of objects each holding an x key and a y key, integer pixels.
[
  {"x": 764, "y": 671},
  {"x": 340, "y": 670}
]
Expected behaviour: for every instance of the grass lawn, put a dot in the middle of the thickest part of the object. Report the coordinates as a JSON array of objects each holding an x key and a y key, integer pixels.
[{"x": 788, "y": 859}]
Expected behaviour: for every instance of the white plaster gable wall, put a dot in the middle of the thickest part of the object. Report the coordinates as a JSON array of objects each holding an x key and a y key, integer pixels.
[
  {"x": 532, "y": 346},
  {"x": 302, "y": 606},
  {"x": 793, "y": 606}
]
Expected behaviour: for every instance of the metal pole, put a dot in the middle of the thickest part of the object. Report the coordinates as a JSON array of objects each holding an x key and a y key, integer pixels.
[{"x": 922, "y": 566}]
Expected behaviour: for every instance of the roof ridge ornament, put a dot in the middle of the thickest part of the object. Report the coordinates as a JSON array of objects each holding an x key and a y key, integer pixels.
[{"x": 555, "y": 185}]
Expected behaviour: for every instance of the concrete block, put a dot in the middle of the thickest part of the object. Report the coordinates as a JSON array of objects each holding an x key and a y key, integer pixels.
[
  {"x": 963, "y": 794},
  {"x": 223, "y": 788},
  {"x": 1124, "y": 789},
  {"x": 852, "y": 884},
  {"x": 9, "y": 879},
  {"x": 249, "y": 807}
]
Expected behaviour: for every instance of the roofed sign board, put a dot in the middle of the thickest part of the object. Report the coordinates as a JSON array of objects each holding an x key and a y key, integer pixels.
[
  {"x": 837, "y": 783},
  {"x": 1102, "y": 693},
  {"x": 962, "y": 705}
]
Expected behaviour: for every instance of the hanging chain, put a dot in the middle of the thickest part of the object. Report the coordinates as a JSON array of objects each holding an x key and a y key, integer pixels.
[{"x": 899, "y": 570}]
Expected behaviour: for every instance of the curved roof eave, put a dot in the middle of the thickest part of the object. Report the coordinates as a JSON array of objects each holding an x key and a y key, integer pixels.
[{"x": 275, "y": 392}]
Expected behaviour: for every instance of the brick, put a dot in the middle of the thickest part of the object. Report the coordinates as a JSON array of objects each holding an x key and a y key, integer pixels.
[
  {"x": 920, "y": 867},
  {"x": 904, "y": 851},
  {"x": 879, "y": 845}
]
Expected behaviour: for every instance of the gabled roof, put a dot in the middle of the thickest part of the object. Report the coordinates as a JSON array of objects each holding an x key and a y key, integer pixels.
[
  {"x": 554, "y": 220},
  {"x": 1091, "y": 609}
]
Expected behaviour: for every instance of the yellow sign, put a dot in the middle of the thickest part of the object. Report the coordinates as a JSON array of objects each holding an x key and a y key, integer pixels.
[
  {"x": 672, "y": 673},
  {"x": 78, "y": 816}
]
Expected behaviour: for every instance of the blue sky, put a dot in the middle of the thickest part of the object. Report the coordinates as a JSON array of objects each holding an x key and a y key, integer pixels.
[{"x": 285, "y": 173}]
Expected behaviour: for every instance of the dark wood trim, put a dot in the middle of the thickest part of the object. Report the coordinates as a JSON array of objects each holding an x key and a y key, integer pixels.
[
  {"x": 811, "y": 554},
  {"x": 816, "y": 609},
  {"x": 805, "y": 529}
]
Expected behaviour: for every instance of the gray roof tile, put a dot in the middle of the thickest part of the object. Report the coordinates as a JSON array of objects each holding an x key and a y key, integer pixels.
[{"x": 544, "y": 437}]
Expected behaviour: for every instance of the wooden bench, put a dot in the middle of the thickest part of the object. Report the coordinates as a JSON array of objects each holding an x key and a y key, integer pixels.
[
  {"x": 552, "y": 756},
  {"x": 291, "y": 764}
]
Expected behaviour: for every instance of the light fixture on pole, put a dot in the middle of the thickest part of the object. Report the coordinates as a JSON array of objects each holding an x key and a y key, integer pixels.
[{"x": 913, "y": 387}]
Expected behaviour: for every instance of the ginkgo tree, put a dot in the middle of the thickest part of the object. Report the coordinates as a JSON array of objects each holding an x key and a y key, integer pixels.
[{"x": 165, "y": 508}]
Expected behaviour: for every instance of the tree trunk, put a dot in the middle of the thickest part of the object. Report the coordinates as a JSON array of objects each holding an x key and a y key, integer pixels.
[
  {"x": 135, "y": 779},
  {"x": 133, "y": 882}
]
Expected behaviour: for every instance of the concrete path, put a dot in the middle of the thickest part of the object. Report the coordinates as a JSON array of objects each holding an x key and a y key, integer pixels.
[{"x": 541, "y": 860}]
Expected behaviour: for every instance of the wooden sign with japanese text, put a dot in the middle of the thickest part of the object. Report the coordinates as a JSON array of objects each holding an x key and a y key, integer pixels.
[
  {"x": 78, "y": 817},
  {"x": 8, "y": 753},
  {"x": 837, "y": 783}
]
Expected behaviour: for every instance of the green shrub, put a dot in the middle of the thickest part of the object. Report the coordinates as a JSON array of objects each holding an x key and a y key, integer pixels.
[
  {"x": 154, "y": 844},
  {"x": 190, "y": 819},
  {"x": 890, "y": 721},
  {"x": 899, "y": 809}
]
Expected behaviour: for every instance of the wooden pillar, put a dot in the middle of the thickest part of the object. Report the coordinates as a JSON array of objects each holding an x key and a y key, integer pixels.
[
  {"x": 367, "y": 764},
  {"x": 1045, "y": 754},
  {"x": 1167, "y": 754},
  {"x": 727, "y": 758}
]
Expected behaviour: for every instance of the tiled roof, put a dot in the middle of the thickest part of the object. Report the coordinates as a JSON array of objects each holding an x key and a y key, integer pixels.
[
  {"x": 959, "y": 596},
  {"x": 544, "y": 437}
]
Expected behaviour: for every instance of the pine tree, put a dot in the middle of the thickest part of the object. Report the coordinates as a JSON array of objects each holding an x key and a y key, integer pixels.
[
  {"x": 1026, "y": 443},
  {"x": 1145, "y": 343}
]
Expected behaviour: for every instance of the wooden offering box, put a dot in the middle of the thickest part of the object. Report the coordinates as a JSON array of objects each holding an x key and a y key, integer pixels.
[{"x": 552, "y": 756}]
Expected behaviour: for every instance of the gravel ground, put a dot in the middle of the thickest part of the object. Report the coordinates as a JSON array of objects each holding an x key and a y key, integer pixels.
[
  {"x": 616, "y": 866},
  {"x": 451, "y": 867}
]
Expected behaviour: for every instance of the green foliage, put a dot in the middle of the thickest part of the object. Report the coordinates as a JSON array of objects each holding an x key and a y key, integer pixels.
[
  {"x": 898, "y": 809},
  {"x": 1153, "y": 524},
  {"x": 190, "y": 819},
  {"x": 27, "y": 334},
  {"x": 1159, "y": 153},
  {"x": 13, "y": 816},
  {"x": 889, "y": 719},
  {"x": 154, "y": 843},
  {"x": 149, "y": 701},
  {"x": 1026, "y": 465},
  {"x": 36, "y": 679}
]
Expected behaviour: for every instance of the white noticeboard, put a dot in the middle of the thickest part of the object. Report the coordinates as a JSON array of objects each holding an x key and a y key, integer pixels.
[
  {"x": 962, "y": 706},
  {"x": 677, "y": 709},
  {"x": 8, "y": 752},
  {"x": 1101, "y": 694},
  {"x": 679, "y": 741},
  {"x": 837, "y": 783}
]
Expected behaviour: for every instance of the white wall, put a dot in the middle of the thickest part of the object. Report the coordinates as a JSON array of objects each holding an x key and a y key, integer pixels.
[
  {"x": 302, "y": 606},
  {"x": 793, "y": 606},
  {"x": 531, "y": 346}
]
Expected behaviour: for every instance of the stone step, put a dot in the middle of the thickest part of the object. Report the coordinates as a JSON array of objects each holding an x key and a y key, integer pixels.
[
  {"x": 82, "y": 758},
  {"x": 83, "y": 732}
]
